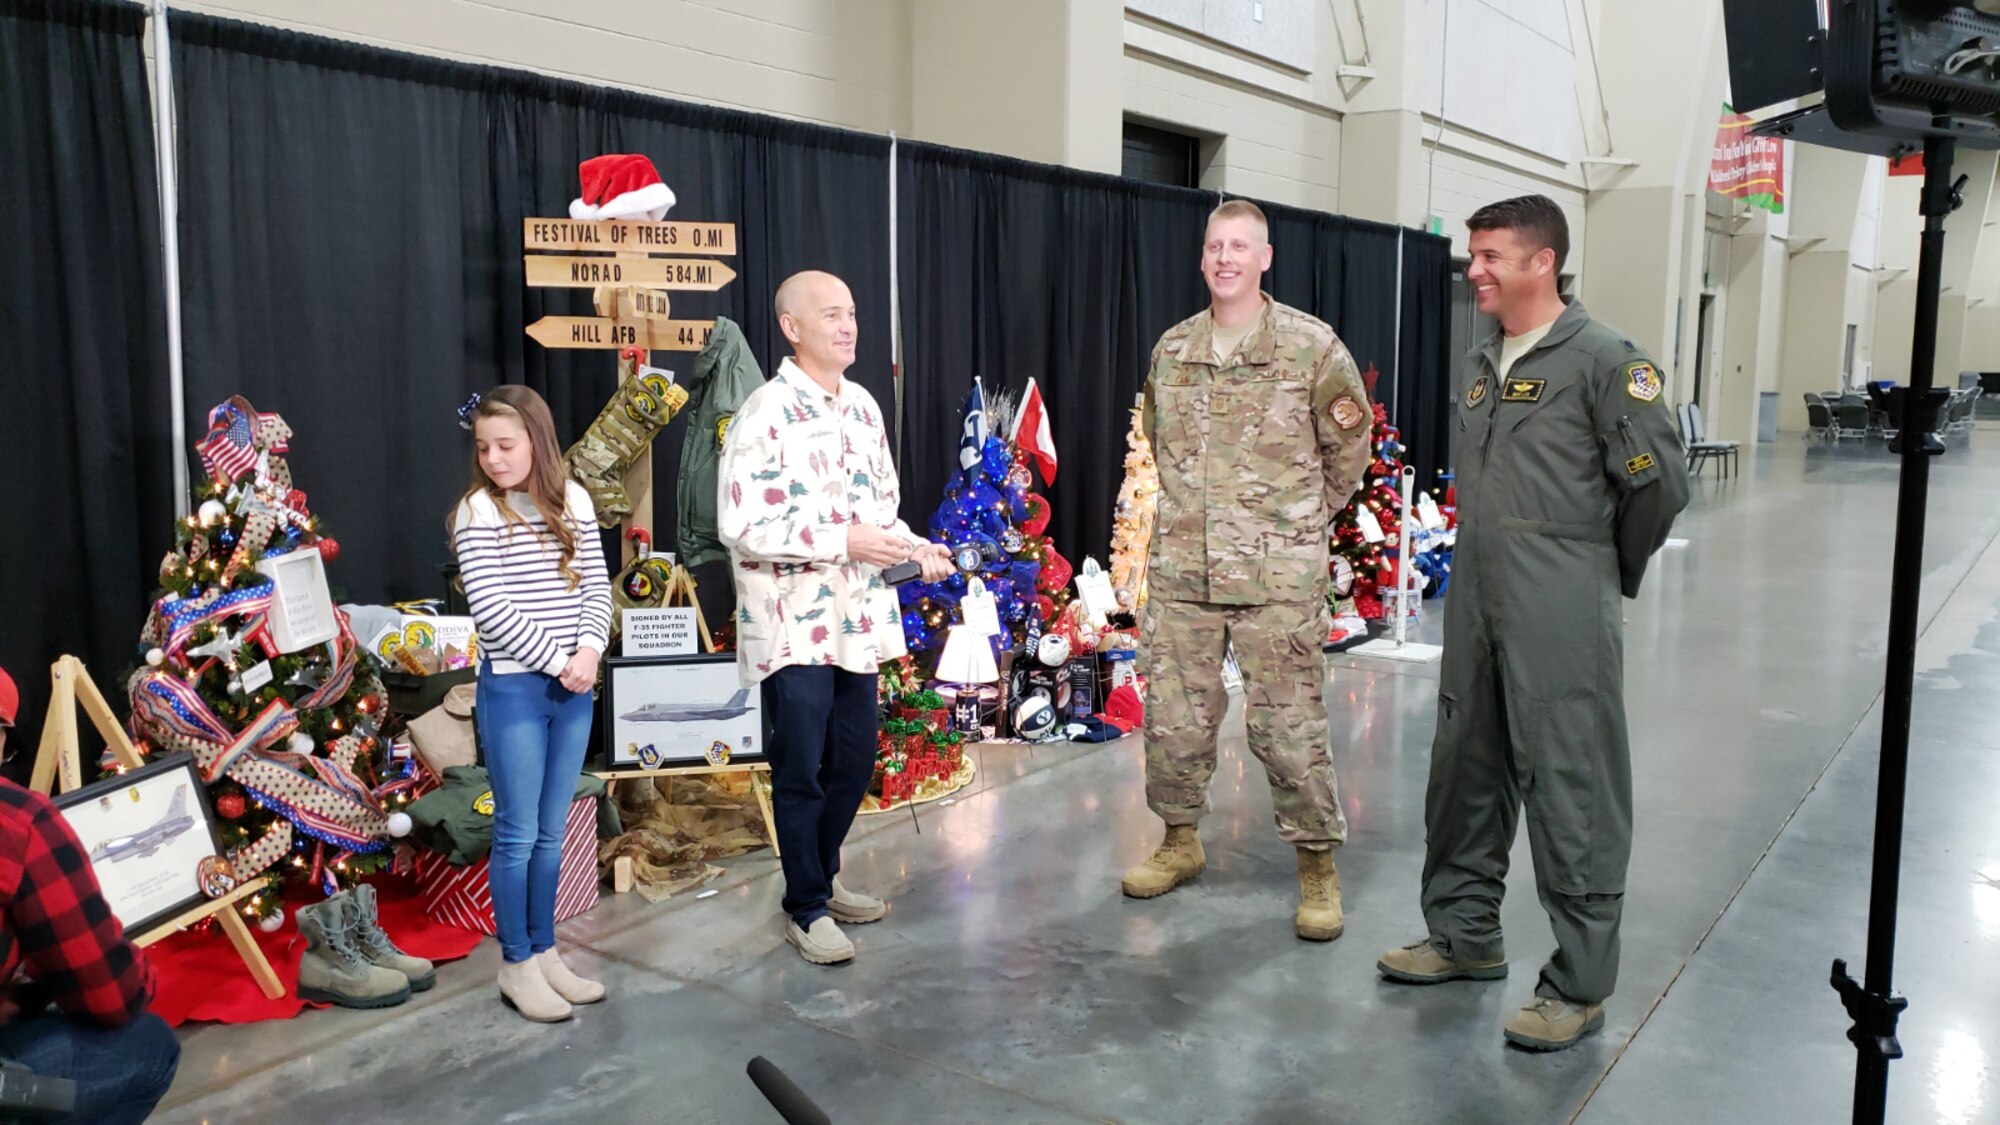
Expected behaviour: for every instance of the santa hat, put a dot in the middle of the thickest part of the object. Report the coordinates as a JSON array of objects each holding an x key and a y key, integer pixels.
[{"x": 620, "y": 185}]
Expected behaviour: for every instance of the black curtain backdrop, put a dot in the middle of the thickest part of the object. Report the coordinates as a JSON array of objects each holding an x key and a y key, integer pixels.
[
  {"x": 351, "y": 244},
  {"x": 1010, "y": 271},
  {"x": 85, "y": 437},
  {"x": 1423, "y": 388},
  {"x": 357, "y": 268}
]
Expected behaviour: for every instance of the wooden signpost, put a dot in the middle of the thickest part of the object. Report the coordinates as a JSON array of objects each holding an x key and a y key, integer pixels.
[
  {"x": 58, "y": 758},
  {"x": 631, "y": 265}
]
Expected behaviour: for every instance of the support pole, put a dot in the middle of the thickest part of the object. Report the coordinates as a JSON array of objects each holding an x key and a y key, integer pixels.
[
  {"x": 170, "y": 244},
  {"x": 1875, "y": 1008}
]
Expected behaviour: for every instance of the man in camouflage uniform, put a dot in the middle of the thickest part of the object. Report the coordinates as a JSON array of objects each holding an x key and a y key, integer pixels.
[
  {"x": 1570, "y": 473},
  {"x": 1260, "y": 426}
]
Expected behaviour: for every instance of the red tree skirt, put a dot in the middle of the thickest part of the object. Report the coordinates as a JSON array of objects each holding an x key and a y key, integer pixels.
[{"x": 201, "y": 977}]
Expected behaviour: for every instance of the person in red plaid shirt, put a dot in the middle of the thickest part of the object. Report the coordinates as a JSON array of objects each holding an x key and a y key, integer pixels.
[{"x": 76, "y": 990}]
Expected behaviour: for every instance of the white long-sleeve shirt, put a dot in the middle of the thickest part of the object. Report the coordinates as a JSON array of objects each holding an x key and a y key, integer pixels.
[
  {"x": 801, "y": 466},
  {"x": 529, "y": 618}
]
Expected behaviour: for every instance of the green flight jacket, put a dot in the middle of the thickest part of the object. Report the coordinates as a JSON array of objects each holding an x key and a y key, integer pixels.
[
  {"x": 1576, "y": 444},
  {"x": 724, "y": 375}
]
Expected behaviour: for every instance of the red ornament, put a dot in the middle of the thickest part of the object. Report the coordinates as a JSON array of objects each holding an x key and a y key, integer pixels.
[
  {"x": 329, "y": 548},
  {"x": 230, "y": 805}
]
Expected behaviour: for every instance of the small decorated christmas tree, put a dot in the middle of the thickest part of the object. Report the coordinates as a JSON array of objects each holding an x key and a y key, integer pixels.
[
  {"x": 286, "y": 734},
  {"x": 1132, "y": 519}
]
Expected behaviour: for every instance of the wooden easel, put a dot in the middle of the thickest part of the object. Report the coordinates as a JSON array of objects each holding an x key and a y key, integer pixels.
[
  {"x": 59, "y": 757},
  {"x": 679, "y": 592}
]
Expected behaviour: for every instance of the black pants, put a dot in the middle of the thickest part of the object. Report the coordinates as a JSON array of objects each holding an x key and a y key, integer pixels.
[{"x": 822, "y": 752}]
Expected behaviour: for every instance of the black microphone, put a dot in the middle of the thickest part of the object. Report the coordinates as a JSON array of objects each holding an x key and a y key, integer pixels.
[
  {"x": 899, "y": 573},
  {"x": 23, "y": 1089},
  {"x": 790, "y": 1102}
]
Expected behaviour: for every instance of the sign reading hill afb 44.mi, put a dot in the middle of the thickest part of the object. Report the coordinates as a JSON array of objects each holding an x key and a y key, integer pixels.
[{"x": 625, "y": 262}]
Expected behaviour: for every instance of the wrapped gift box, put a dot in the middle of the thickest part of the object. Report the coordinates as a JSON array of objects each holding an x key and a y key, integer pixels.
[{"x": 458, "y": 896}]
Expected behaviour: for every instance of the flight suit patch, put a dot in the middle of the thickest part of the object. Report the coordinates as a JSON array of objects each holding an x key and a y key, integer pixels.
[
  {"x": 1643, "y": 381},
  {"x": 1477, "y": 394},
  {"x": 1639, "y": 464},
  {"x": 1347, "y": 413},
  {"x": 1523, "y": 390}
]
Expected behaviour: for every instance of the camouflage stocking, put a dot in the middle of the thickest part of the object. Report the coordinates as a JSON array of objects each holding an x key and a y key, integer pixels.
[{"x": 628, "y": 423}]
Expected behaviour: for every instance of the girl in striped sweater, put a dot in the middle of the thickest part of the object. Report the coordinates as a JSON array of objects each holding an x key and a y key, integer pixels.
[{"x": 533, "y": 568}]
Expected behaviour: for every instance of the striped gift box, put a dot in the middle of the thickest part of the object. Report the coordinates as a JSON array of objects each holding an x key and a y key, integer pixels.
[{"x": 458, "y": 896}]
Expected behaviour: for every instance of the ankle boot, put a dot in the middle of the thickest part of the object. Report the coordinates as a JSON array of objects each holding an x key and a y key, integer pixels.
[
  {"x": 569, "y": 986},
  {"x": 365, "y": 928},
  {"x": 334, "y": 971},
  {"x": 1319, "y": 917},
  {"x": 1178, "y": 859},
  {"x": 526, "y": 991}
]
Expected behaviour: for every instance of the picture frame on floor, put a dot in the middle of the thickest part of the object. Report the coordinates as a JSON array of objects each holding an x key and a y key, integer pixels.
[
  {"x": 150, "y": 836},
  {"x": 685, "y": 711}
]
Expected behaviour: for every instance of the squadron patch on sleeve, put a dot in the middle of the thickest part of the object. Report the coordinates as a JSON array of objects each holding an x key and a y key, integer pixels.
[
  {"x": 1347, "y": 413},
  {"x": 1642, "y": 381}
]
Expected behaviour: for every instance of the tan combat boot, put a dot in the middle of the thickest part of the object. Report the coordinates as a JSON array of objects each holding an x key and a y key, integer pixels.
[
  {"x": 1177, "y": 860},
  {"x": 1549, "y": 1024},
  {"x": 1319, "y": 917},
  {"x": 334, "y": 971},
  {"x": 1421, "y": 963}
]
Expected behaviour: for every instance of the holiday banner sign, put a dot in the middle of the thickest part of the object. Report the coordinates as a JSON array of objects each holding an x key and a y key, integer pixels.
[
  {"x": 1745, "y": 166},
  {"x": 663, "y": 273},
  {"x": 629, "y": 236},
  {"x": 606, "y": 332}
]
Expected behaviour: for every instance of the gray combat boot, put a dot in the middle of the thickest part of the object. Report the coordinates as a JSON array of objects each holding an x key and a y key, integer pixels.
[
  {"x": 334, "y": 970},
  {"x": 375, "y": 945}
]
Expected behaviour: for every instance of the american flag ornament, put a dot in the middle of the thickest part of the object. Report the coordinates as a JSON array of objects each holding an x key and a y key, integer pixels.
[{"x": 230, "y": 448}]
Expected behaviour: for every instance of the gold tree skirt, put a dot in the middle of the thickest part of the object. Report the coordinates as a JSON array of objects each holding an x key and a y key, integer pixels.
[{"x": 934, "y": 789}]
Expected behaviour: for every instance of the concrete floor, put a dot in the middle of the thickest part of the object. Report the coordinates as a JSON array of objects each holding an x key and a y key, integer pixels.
[{"x": 1012, "y": 982}]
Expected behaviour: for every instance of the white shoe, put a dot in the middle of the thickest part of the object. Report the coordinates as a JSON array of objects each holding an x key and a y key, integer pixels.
[
  {"x": 569, "y": 986},
  {"x": 852, "y": 908},
  {"x": 525, "y": 990},
  {"x": 822, "y": 943}
]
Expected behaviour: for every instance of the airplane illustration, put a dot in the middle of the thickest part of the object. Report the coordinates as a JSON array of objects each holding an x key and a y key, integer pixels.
[
  {"x": 737, "y": 706},
  {"x": 151, "y": 839}
]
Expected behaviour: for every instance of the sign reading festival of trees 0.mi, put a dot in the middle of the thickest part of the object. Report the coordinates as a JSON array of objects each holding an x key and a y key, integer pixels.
[{"x": 630, "y": 265}]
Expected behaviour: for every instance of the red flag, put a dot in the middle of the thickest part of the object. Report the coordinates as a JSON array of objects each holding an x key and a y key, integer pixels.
[{"x": 1032, "y": 420}]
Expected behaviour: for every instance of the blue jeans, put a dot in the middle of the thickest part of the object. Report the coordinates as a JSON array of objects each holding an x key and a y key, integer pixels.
[
  {"x": 822, "y": 754},
  {"x": 535, "y": 732},
  {"x": 121, "y": 1073}
]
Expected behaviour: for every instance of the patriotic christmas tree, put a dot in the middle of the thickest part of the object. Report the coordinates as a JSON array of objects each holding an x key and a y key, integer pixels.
[
  {"x": 287, "y": 741},
  {"x": 986, "y": 504}
]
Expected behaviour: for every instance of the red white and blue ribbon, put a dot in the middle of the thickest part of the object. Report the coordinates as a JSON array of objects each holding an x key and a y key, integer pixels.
[{"x": 184, "y": 617}]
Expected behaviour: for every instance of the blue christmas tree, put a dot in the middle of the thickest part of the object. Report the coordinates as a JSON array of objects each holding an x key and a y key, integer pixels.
[{"x": 983, "y": 503}]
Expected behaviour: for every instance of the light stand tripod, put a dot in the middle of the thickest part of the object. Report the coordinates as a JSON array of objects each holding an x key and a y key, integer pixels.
[{"x": 1914, "y": 410}]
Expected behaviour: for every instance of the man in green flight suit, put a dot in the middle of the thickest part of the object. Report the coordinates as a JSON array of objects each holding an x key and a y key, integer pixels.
[
  {"x": 1260, "y": 427},
  {"x": 1570, "y": 472}
]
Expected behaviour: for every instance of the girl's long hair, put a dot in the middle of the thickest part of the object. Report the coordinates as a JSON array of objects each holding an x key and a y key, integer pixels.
[{"x": 548, "y": 480}]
